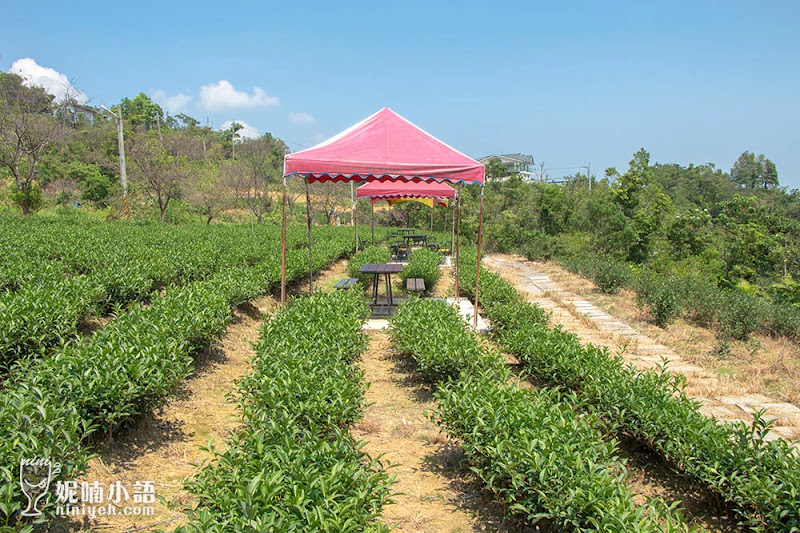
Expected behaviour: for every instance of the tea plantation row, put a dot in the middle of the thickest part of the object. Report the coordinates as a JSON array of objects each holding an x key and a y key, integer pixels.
[
  {"x": 56, "y": 273},
  {"x": 294, "y": 466},
  {"x": 759, "y": 479},
  {"x": 533, "y": 448},
  {"x": 51, "y": 406}
]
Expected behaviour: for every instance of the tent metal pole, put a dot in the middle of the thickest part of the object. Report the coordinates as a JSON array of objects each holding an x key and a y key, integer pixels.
[
  {"x": 355, "y": 215},
  {"x": 478, "y": 268},
  {"x": 433, "y": 208},
  {"x": 372, "y": 219},
  {"x": 283, "y": 247},
  {"x": 452, "y": 228},
  {"x": 458, "y": 235},
  {"x": 310, "y": 257}
]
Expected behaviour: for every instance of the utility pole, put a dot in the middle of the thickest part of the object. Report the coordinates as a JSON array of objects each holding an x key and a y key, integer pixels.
[
  {"x": 123, "y": 175},
  {"x": 588, "y": 168}
]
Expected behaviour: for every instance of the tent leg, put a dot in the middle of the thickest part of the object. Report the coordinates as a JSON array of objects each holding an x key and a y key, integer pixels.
[
  {"x": 355, "y": 216},
  {"x": 372, "y": 223},
  {"x": 458, "y": 236},
  {"x": 433, "y": 208},
  {"x": 478, "y": 271},
  {"x": 452, "y": 228},
  {"x": 310, "y": 257},
  {"x": 283, "y": 247}
]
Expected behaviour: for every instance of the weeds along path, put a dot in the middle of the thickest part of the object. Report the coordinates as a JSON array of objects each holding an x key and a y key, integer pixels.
[
  {"x": 723, "y": 399},
  {"x": 436, "y": 495},
  {"x": 164, "y": 448}
]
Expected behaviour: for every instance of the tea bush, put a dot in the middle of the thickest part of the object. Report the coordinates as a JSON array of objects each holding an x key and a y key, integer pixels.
[
  {"x": 424, "y": 264},
  {"x": 294, "y": 466},
  {"x": 661, "y": 296},
  {"x": 759, "y": 478},
  {"x": 530, "y": 447},
  {"x": 740, "y": 315},
  {"x": 372, "y": 254},
  {"x": 50, "y": 406}
]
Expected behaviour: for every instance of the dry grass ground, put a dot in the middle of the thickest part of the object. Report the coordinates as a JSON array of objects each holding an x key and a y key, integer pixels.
[
  {"x": 436, "y": 494},
  {"x": 762, "y": 365}
]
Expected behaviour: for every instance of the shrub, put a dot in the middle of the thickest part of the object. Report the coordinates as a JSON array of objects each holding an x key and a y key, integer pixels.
[
  {"x": 703, "y": 300},
  {"x": 741, "y": 315},
  {"x": 372, "y": 254},
  {"x": 660, "y": 295},
  {"x": 610, "y": 275},
  {"x": 423, "y": 264}
]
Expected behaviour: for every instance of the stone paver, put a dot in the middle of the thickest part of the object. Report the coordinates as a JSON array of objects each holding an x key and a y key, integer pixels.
[{"x": 573, "y": 313}]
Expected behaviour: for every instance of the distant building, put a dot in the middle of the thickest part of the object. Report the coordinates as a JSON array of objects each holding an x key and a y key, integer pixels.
[
  {"x": 77, "y": 113},
  {"x": 521, "y": 164}
]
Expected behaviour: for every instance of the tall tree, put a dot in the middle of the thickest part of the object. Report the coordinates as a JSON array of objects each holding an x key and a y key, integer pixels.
[
  {"x": 161, "y": 167},
  {"x": 751, "y": 171},
  {"x": 27, "y": 128},
  {"x": 495, "y": 169}
]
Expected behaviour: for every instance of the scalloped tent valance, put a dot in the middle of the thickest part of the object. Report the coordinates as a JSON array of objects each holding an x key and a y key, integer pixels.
[{"x": 384, "y": 147}]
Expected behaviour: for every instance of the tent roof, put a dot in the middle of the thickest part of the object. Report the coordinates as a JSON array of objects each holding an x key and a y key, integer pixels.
[
  {"x": 384, "y": 147},
  {"x": 405, "y": 189}
]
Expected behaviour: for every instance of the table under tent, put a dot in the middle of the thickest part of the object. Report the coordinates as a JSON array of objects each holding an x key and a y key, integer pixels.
[
  {"x": 383, "y": 147},
  {"x": 428, "y": 193}
]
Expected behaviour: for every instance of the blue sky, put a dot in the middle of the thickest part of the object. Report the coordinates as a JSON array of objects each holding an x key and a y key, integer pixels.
[{"x": 568, "y": 82}]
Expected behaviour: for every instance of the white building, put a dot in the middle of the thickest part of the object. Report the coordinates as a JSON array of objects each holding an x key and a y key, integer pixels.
[{"x": 521, "y": 164}]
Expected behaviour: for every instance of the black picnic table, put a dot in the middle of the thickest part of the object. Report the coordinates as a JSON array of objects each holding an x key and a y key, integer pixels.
[
  {"x": 406, "y": 230},
  {"x": 386, "y": 270},
  {"x": 416, "y": 238}
]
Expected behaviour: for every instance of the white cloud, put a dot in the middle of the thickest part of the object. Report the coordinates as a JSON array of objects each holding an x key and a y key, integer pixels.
[
  {"x": 48, "y": 79},
  {"x": 301, "y": 118},
  {"x": 247, "y": 131},
  {"x": 172, "y": 104},
  {"x": 222, "y": 95}
]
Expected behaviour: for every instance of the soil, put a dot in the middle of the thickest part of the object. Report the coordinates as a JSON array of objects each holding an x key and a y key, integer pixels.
[{"x": 435, "y": 493}]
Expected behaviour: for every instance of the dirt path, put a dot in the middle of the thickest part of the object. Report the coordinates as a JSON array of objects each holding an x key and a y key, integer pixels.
[
  {"x": 724, "y": 398},
  {"x": 437, "y": 495},
  {"x": 165, "y": 447}
]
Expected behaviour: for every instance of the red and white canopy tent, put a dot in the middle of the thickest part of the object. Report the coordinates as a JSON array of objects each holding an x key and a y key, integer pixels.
[
  {"x": 430, "y": 193},
  {"x": 383, "y": 147}
]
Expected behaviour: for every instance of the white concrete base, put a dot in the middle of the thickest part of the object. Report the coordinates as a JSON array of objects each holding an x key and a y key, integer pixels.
[
  {"x": 468, "y": 312},
  {"x": 464, "y": 306}
]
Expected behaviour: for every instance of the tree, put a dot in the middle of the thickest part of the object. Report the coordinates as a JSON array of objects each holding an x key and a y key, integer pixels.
[
  {"x": 751, "y": 171},
  {"x": 142, "y": 111},
  {"x": 495, "y": 169},
  {"x": 161, "y": 168},
  {"x": 255, "y": 174},
  {"x": 27, "y": 128},
  {"x": 209, "y": 193},
  {"x": 542, "y": 176}
]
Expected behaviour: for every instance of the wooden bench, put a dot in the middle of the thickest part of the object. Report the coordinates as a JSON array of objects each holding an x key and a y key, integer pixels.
[
  {"x": 345, "y": 283},
  {"x": 415, "y": 285}
]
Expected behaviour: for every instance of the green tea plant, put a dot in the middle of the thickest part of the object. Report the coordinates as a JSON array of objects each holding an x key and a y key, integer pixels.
[
  {"x": 424, "y": 264},
  {"x": 530, "y": 447},
  {"x": 294, "y": 466},
  {"x": 759, "y": 478},
  {"x": 50, "y": 406},
  {"x": 373, "y": 254}
]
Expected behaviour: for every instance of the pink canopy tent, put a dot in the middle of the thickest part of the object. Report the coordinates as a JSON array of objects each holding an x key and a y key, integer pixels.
[
  {"x": 382, "y": 147},
  {"x": 430, "y": 193}
]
